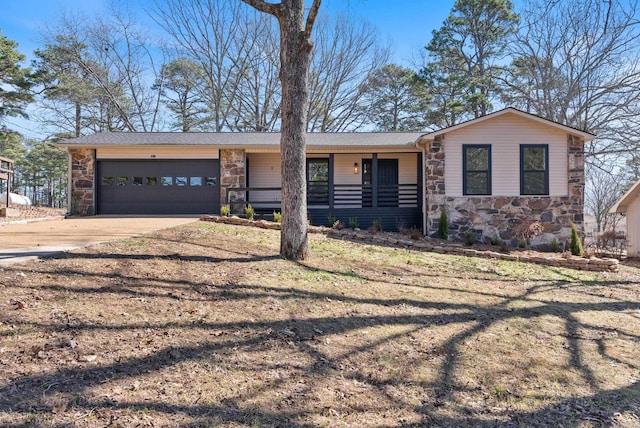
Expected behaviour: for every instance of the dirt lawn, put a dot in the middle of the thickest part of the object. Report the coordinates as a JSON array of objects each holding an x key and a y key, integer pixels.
[{"x": 203, "y": 325}]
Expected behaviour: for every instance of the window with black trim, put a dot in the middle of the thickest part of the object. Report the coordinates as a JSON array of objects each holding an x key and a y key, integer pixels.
[
  {"x": 534, "y": 169},
  {"x": 317, "y": 181},
  {"x": 476, "y": 167}
]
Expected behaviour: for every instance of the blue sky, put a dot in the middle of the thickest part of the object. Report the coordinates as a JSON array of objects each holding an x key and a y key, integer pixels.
[{"x": 406, "y": 24}]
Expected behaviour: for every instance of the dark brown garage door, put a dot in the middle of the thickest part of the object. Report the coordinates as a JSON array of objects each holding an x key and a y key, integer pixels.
[{"x": 158, "y": 186}]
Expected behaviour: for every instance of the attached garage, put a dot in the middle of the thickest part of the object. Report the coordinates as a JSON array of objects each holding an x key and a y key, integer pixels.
[{"x": 158, "y": 186}]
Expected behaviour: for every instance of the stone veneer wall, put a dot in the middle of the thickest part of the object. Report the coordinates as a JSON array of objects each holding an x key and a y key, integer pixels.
[
  {"x": 506, "y": 218},
  {"x": 82, "y": 181},
  {"x": 232, "y": 174}
]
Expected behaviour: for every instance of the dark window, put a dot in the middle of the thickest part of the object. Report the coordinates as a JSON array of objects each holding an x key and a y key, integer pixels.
[
  {"x": 211, "y": 181},
  {"x": 534, "y": 169},
  {"x": 152, "y": 181},
  {"x": 476, "y": 166},
  {"x": 181, "y": 181},
  {"x": 317, "y": 181},
  {"x": 136, "y": 181},
  {"x": 122, "y": 181},
  {"x": 107, "y": 181}
]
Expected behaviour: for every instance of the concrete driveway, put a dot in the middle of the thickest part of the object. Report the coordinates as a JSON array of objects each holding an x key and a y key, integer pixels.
[{"x": 21, "y": 242}]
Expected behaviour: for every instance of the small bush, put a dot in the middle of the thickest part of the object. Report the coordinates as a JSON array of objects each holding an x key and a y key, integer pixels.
[
  {"x": 376, "y": 226},
  {"x": 443, "y": 226},
  {"x": 225, "y": 210},
  {"x": 522, "y": 243},
  {"x": 331, "y": 220},
  {"x": 277, "y": 216},
  {"x": 353, "y": 223},
  {"x": 555, "y": 246},
  {"x": 496, "y": 241},
  {"x": 249, "y": 212},
  {"x": 469, "y": 238},
  {"x": 575, "y": 246}
]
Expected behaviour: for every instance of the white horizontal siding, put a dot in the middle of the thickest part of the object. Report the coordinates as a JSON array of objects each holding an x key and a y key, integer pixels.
[
  {"x": 633, "y": 228},
  {"x": 505, "y": 134},
  {"x": 157, "y": 152},
  {"x": 264, "y": 171}
]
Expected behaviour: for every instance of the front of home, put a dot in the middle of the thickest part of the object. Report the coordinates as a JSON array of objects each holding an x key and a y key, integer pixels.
[{"x": 492, "y": 176}]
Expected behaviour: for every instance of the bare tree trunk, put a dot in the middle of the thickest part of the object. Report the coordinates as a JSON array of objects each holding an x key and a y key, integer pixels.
[{"x": 295, "y": 55}]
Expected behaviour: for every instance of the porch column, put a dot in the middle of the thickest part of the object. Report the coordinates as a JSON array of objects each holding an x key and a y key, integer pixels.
[
  {"x": 331, "y": 181},
  {"x": 374, "y": 180},
  {"x": 434, "y": 183},
  {"x": 82, "y": 175},
  {"x": 232, "y": 175},
  {"x": 575, "y": 153}
]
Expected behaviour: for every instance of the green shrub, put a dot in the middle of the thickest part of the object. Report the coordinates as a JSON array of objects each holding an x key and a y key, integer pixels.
[
  {"x": 331, "y": 220},
  {"x": 469, "y": 237},
  {"x": 376, "y": 226},
  {"x": 249, "y": 212},
  {"x": 443, "y": 226},
  {"x": 353, "y": 223},
  {"x": 555, "y": 246},
  {"x": 575, "y": 245},
  {"x": 277, "y": 217},
  {"x": 522, "y": 243},
  {"x": 225, "y": 210}
]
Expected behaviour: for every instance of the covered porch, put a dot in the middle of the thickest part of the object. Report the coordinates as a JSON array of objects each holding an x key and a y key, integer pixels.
[{"x": 363, "y": 188}]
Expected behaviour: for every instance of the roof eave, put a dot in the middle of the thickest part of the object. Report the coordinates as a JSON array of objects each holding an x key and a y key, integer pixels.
[{"x": 623, "y": 203}]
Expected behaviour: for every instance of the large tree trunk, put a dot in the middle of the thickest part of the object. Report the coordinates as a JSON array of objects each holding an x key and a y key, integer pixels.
[{"x": 295, "y": 54}]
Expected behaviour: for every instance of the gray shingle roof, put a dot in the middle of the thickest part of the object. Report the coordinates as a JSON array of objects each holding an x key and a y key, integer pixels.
[{"x": 244, "y": 139}]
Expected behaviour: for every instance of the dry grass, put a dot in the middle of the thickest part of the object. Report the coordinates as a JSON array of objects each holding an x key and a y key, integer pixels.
[{"x": 206, "y": 326}]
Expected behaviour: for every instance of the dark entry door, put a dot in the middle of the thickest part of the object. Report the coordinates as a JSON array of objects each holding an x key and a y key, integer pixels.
[
  {"x": 386, "y": 182},
  {"x": 158, "y": 186}
]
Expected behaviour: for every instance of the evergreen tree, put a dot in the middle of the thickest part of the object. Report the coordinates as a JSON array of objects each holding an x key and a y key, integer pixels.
[
  {"x": 15, "y": 81},
  {"x": 395, "y": 99},
  {"x": 464, "y": 58}
]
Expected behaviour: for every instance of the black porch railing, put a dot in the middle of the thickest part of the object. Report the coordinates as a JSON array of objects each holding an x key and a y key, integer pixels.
[
  {"x": 320, "y": 195},
  {"x": 393, "y": 206}
]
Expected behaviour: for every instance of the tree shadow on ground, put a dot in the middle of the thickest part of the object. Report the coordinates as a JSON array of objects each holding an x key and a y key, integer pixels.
[{"x": 305, "y": 335}]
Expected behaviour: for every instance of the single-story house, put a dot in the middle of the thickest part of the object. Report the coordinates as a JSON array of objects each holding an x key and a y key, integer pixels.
[
  {"x": 629, "y": 204},
  {"x": 491, "y": 175}
]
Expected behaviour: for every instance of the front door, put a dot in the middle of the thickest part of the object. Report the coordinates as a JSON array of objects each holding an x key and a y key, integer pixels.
[{"x": 386, "y": 183}]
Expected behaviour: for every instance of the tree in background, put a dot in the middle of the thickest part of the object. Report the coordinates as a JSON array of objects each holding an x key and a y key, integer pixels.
[
  {"x": 180, "y": 85},
  {"x": 345, "y": 53},
  {"x": 394, "y": 99},
  {"x": 95, "y": 75},
  {"x": 66, "y": 83},
  {"x": 11, "y": 146},
  {"x": 603, "y": 189},
  {"x": 218, "y": 36},
  {"x": 463, "y": 68},
  {"x": 577, "y": 62},
  {"x": 45, "y": 174},
  {"x": 295, "y": 57},
  {"x": 15, "y": 82}
]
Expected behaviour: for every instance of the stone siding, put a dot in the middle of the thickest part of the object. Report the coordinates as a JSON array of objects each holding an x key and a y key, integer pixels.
[
  {"x": 82, "y": 181},
  {"x": 232, "y": 174}
]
